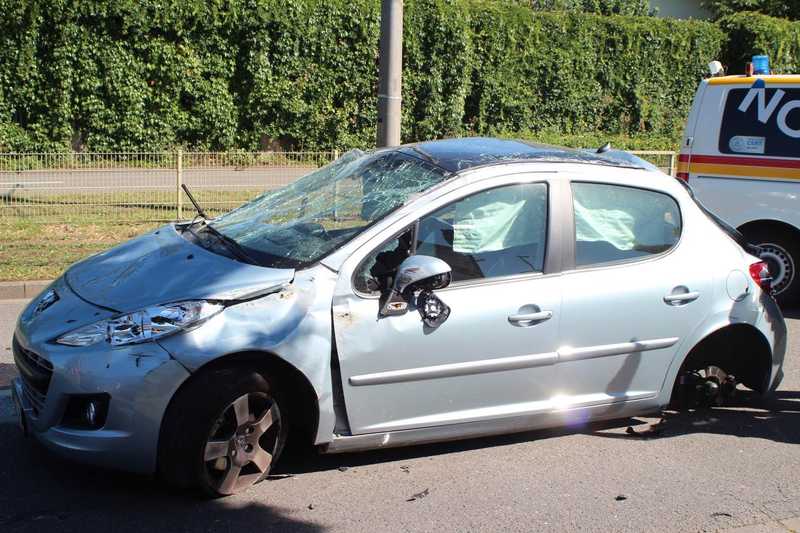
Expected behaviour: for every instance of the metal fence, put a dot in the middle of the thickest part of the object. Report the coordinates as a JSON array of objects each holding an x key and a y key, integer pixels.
[
  {"x": 99, "y": 188},
  {"x": 94, "y": 187}
]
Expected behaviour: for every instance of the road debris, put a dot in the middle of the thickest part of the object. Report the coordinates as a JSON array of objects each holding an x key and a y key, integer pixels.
[
  {"x": 719, "y": 514},
  {"x": 405, "y": 469},
  {"x": 273, "y": 477},
  {"x": 419, "y": 495},
  {"x": 621, "y": 497},
  {"x": 343, "y": 468},
  {"x": 649, "y": 431}
]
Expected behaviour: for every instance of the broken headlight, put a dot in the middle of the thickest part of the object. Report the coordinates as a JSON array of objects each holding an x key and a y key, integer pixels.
[{"x": 145, "y": 325}]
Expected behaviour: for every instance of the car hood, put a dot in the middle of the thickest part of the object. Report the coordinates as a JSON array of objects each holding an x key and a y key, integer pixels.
[{"x": 161, "y": 267}]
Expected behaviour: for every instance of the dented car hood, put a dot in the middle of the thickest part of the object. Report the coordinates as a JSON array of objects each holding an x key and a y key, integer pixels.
[{"x": 162, "y": 267}]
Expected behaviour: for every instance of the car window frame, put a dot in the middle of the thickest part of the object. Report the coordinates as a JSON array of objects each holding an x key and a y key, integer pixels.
[
  {"x": 571, "y": 235},
  {"x": 552, "y": 240},
  {"x": 414, "y": 227}
]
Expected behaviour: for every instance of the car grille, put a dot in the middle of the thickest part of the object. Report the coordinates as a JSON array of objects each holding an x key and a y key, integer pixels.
[{"x": 35, "y": 372}]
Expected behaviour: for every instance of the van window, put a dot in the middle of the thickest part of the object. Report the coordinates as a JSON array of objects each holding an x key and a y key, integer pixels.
[
  {"x": 761, "y": 121},
  {"x": 616, "y": 223}
]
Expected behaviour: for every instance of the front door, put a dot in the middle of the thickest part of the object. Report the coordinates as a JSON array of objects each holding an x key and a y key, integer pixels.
[{"x": 495, "y": 354}]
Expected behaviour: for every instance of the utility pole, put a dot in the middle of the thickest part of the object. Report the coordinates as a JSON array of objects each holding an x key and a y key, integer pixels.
[{"x": 391, "y": 71}]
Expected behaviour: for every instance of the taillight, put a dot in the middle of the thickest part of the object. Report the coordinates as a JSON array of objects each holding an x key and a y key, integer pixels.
[{"x": 760, "y": 274}]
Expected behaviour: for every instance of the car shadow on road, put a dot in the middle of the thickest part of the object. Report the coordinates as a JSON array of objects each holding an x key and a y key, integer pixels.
[
  {"x": 300, "y": 458},
  {"x": 41, "y": 492},
  {"x": 747, "y": 416}
]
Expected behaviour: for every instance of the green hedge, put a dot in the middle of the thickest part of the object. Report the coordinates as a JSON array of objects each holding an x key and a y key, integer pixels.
[
  {"x": 776, "y": 8},
  {"x": 257, "y": 74},
  {"x": 577, "y": 73},
  {"x": 600, "y": 7},
  {"x": 753, "y": 33}
]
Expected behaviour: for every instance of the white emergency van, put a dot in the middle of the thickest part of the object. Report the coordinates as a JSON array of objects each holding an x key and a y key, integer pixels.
[{"x": 741, "y": 155}]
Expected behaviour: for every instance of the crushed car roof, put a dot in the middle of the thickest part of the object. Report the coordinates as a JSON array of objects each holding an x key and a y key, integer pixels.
[{"x": 455, "y": 155}]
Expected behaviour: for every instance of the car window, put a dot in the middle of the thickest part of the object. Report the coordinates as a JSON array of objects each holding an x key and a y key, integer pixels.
[
  {"x": 616, "y": 223},
  {"x": 376, "y": 272},
  {"x": 499, "y": 232}
]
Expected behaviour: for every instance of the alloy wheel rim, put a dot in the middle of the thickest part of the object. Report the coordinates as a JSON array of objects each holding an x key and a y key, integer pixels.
[
  {"x": 242, "y": 443},
  {"x": 781, "y": 262}
]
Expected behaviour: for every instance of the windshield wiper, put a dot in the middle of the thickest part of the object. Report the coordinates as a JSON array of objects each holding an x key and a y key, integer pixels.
[
  {"x": 230, "y": 243},
  {"x": 194, "y": 202},
  {"x": 236, "y": 248}
]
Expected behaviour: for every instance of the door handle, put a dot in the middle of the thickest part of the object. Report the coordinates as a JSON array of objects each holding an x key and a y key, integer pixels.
[
  {"x": 681, "y": 298},
  {"x": 529, "y": 319}
]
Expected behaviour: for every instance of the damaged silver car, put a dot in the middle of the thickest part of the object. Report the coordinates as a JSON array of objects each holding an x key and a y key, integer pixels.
[{"x": 430, "y": 292}]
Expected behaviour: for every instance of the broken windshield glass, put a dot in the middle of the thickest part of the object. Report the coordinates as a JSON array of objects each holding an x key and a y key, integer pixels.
[{"x": 301, "y": 223}]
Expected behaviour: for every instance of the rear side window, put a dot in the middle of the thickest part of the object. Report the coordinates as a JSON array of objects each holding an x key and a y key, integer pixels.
[
  {"x": 761, "y": 121},
  {"x": 616, "y": 223}
]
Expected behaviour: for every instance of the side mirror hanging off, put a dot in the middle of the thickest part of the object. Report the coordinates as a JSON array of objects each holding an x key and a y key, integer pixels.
[{"x": 418, "y": 273}]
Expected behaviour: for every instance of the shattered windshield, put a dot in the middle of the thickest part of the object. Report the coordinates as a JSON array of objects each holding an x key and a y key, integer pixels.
[{"x": 301, "y": 223}]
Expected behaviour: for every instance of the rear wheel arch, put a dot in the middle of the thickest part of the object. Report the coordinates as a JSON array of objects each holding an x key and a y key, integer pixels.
[{"x": 739, "y": 349}]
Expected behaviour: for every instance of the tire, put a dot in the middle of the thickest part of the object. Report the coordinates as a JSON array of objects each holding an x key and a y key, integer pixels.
[
  {"x": 781, "y": 250},
  {"x": 222, "y": 432}
]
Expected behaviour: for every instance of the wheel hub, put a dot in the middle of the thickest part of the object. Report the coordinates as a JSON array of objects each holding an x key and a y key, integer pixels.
[
  {"x": 708, "y": 387},
  {"x": 241, "y": 450}
]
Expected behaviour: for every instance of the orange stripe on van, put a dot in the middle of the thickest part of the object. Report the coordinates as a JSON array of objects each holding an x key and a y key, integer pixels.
[
  {"x": 740, "y": 166},
  {"x": 745, "y": 161},
  {"x": 789, "y": 79},
  {"x": 707, "y": 169}
]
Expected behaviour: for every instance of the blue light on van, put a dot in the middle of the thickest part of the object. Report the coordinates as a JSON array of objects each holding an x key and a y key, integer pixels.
[{"x": 760, "y": 64}]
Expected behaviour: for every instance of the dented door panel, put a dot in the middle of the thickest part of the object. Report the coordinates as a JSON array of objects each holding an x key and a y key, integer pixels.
[{"x": 398, "y": 374}]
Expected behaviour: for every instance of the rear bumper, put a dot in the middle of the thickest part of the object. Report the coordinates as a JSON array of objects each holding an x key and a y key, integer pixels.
[{"x": 773, "y": 326}]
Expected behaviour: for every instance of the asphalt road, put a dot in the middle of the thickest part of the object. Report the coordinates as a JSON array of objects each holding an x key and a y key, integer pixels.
[
  {"x": 93, "y": 181},
  {"x": 725, "y": 468}
]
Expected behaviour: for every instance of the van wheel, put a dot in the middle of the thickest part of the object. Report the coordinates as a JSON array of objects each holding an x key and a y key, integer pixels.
[
  {"x": 222, "y": 433},
  {"x": 782, "y": 253}
]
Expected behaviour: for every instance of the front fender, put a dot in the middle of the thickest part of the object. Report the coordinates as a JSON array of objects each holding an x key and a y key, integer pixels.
[{"x": 293, "y": 324}]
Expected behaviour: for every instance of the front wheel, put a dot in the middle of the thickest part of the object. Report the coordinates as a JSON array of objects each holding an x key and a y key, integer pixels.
[
  {"x": 781, "y": 251},
  {"x": 223, "y": 432}
]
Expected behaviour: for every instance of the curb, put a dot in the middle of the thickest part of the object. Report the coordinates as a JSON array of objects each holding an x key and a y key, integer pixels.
[{"x": 20, "y": 290}]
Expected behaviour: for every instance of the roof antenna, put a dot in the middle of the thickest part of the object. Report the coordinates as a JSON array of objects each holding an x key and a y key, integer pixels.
[{"x": 605, "y": 148}]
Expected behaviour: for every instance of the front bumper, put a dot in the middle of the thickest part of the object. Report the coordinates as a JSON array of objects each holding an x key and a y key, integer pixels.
[
  {"x": 129, "y": 438},
  {"x": 140, "y": 379}
]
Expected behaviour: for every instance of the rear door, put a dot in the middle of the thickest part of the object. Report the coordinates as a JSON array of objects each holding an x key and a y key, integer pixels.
[{"x": 634, "y": 293}]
